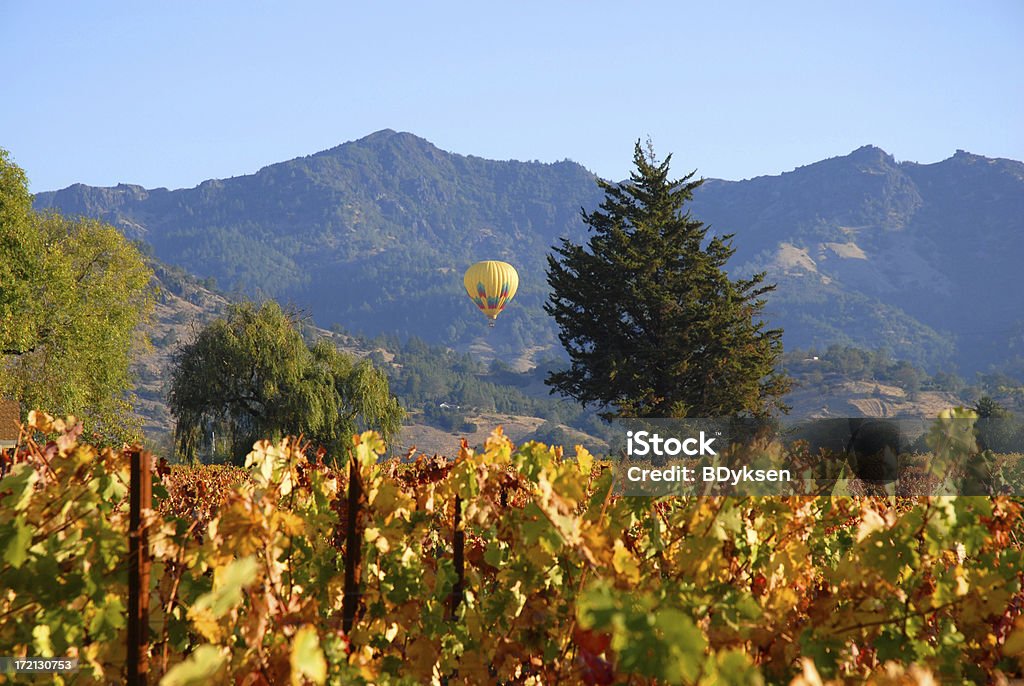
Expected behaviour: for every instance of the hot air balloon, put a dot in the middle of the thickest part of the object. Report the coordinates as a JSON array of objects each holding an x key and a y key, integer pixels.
[{"x": 491, "y": 284}]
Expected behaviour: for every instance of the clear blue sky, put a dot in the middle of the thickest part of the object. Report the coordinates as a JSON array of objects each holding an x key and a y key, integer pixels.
[{"x": 172, "y": 93}]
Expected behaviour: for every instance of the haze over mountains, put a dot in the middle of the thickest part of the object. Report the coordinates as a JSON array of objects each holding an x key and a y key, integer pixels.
[{"x": 374, "y": 235}]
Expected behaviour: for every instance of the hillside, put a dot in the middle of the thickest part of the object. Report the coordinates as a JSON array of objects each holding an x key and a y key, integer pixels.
[
  {"x": 184, "y": 305},
  {"x": 866, "y": 250},
  {"x": 374, "y": 235},
  {"x": 480, "y": 397},
  {"x": 841, "y": 397}
]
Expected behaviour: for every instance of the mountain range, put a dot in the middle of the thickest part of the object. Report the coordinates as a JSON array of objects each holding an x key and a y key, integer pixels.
[{"x": 373, "y": 235}]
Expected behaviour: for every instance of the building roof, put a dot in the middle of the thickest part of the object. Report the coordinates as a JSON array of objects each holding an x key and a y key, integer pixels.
[{"x": 10, "y": 416}]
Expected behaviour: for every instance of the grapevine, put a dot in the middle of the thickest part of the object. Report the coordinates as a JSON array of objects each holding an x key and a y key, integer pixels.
[{"x": 557, "y": 579}]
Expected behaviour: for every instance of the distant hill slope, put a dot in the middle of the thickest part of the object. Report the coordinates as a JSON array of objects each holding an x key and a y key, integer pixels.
[
  {"x": 374, "y": 235},
  {"x": 427, "y": 379},
  {"x": 183, "y": 305},
  {"x": 920, "y": 258}
]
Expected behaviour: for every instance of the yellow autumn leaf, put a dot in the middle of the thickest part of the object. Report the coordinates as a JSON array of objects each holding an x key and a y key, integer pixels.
[
  {"x": 369, "y": 446},
  {"x": 584, "y": 460},
  {"x": 307, "y": 659},
  {"x": 291, "y": 524},
  {"x": 871, "y": 521},
  {"x": 206, "y": 624},
  {"x": 1014, "y": 645},
  {"x": 40, "y": 421},
  {"x": 624, "y": 564},
  {"x": 388, "y": 499}
]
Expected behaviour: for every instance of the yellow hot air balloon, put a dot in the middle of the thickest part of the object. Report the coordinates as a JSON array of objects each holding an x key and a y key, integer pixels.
[{"x": 491, "y": 284}]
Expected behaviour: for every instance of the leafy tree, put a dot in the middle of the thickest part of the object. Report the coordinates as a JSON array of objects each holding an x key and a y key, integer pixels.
[
  {"x": 907, "y": 377},
  {"x": 948, "y": 381},
  {"x": 652, "y": 324},
  {"x": 997, "y": 428},
  {"x": 20, "y": 250},
  {"x": 73, "y": 293},
  {"x": 251, "y": 376},
  {"x": 987, "y": 407}
]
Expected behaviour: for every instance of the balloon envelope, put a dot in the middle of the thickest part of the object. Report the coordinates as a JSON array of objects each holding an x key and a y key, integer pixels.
[{"x": 490, "y": 285}]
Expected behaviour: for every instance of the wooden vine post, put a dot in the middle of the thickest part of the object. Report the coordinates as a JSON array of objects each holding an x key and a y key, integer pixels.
[
  {"x": 459, "y": 550},
  {"x": 140, "y": 498},
  {"x": 353, "y": 546}
]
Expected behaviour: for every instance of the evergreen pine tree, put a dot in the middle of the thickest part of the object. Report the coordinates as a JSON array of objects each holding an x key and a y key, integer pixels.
[{"x": 653, "y": 325}]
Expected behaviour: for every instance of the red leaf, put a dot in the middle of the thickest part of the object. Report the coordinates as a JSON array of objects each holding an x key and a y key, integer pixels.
[{"x": 591, "y": 641}]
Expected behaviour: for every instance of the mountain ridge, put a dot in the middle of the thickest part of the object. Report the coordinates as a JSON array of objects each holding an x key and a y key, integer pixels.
[
  {"x": 387, "y": 133},
  {"x": 367, "y": 234}
]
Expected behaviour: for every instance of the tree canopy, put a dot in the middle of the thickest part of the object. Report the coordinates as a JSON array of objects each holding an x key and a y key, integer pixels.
[
  {"x": 73, "y": 293},
  {"x": 653, "y": 325},
  {"x": 251, "y": 375}
]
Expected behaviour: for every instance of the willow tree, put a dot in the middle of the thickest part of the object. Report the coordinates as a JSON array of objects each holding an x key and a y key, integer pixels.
[
  {"x": 251, "y": 375},
  {"x": 652, "y": 323}
]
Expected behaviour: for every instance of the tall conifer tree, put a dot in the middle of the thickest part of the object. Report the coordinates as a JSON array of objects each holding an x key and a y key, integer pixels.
[{"x": 653, "y": 325}]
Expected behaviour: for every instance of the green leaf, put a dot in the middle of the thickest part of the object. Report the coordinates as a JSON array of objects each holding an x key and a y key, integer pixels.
[
  {"x": 891, "y": 645},
  {"x": 229, "y": 582},
  {"x": 160, "y": 492},
  {"x": 824, "y": 650},
  {"x": 494, "y": 555},
  {"x": 685, "y": 643},
  {"x": 110, "y": 617},
  {"x": 20, "y": 482},
  {"x": 16, "y": 542},
  {"x": 733, "y": 668},
  {"x": 532, "y": 459},
  {"x": 227, "y": 587},
  {"x": 198, "y": 670},
  {"x": 464, "y": 478},
  {"x": 601, "y": 488}
]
